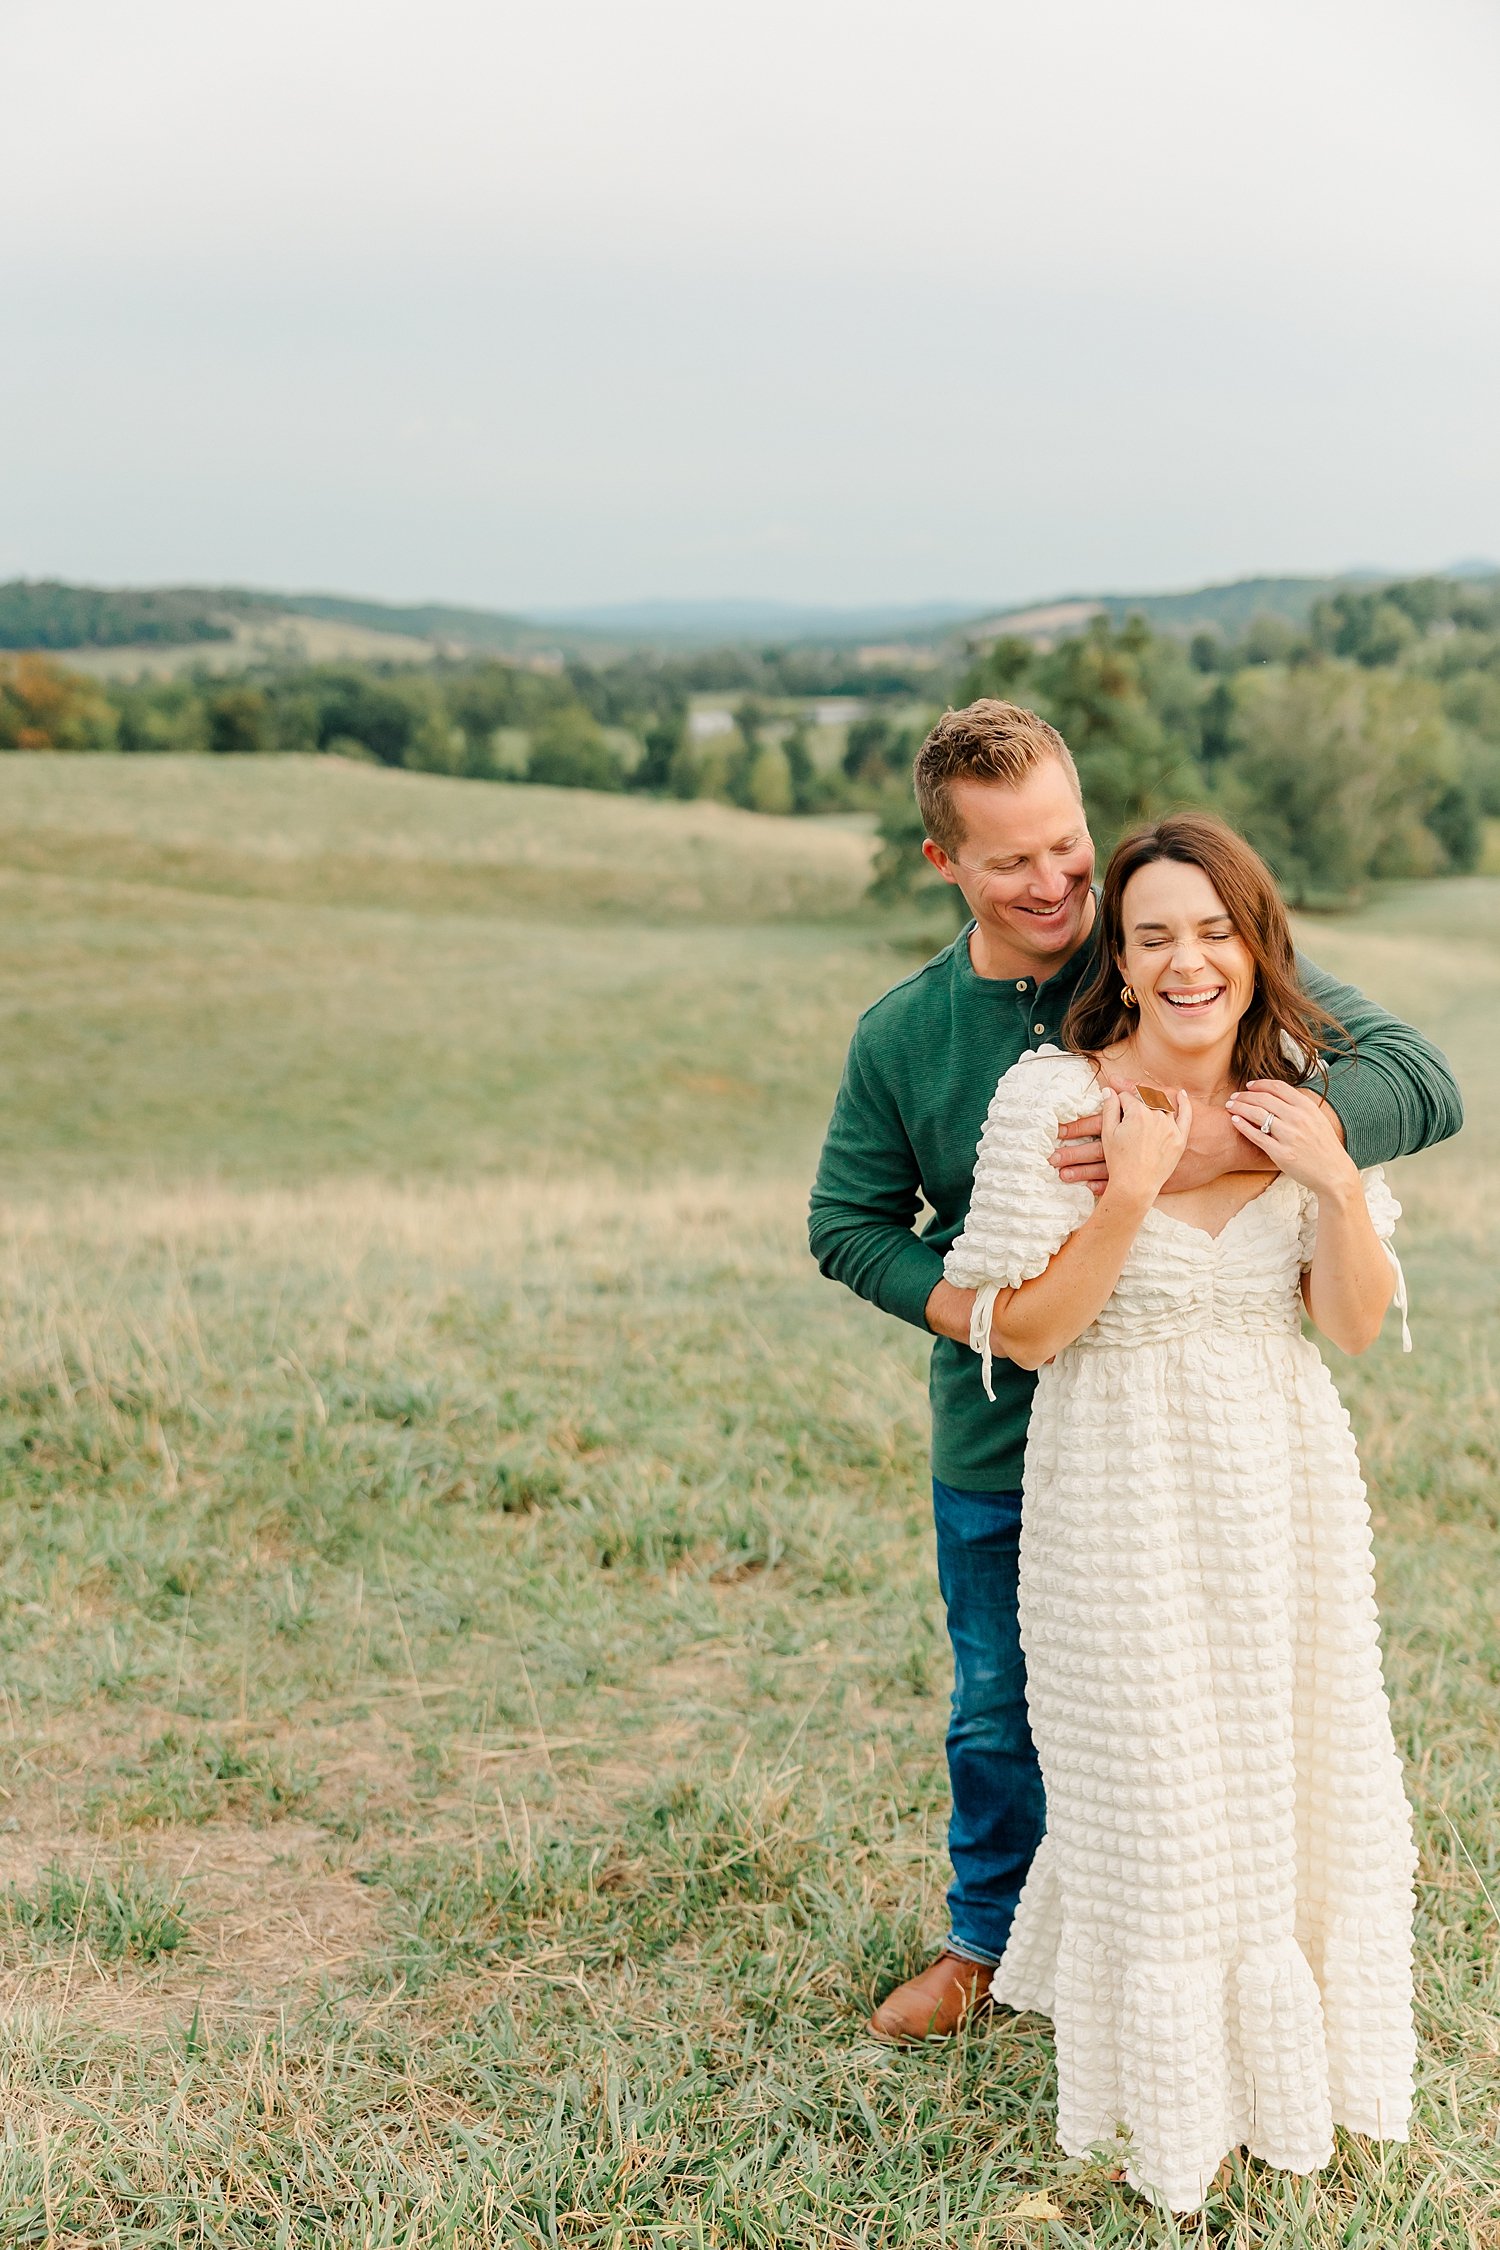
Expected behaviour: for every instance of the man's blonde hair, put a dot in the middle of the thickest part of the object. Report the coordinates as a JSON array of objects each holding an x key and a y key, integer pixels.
[{"x": 985, "y": 741}]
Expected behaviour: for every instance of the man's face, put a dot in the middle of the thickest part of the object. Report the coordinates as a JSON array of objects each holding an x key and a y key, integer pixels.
[{"x": 1025, "y": 863}]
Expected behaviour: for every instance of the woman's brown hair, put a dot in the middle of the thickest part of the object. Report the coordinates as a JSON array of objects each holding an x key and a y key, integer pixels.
[{"x": 1279, "y": 1009}]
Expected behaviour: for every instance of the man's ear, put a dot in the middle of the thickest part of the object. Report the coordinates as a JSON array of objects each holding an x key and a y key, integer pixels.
[{"x": 936, "y": 857}]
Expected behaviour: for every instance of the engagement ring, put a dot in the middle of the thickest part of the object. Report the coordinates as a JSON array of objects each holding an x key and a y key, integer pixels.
[{"x": 1265, "y": 1124}]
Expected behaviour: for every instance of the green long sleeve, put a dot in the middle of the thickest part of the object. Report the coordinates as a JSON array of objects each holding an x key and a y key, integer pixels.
[
  {"x": 1396, "y": 1094},
  {"x": 922, "y": 1066}
]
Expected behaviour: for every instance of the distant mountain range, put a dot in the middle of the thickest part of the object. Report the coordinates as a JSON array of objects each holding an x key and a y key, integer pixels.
[
  {"x": 1230, "y": 607},
  {"x": 252, "y": 625},
  {"x": 750, "y": 620}
]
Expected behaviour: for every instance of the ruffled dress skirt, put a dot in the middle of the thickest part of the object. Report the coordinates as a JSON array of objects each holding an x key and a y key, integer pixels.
[{"x": 1219, "y": 1920}]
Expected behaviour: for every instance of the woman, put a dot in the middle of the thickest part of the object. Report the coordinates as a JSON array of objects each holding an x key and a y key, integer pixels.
[{"x": 1219, "y": 1919}]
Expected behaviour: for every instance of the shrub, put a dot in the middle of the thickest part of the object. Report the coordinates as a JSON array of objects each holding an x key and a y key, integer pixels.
[
  {"x": 42, "y": 707},
  {"x": 568, "y": 751},
  {"x": 238, "y": 722}
]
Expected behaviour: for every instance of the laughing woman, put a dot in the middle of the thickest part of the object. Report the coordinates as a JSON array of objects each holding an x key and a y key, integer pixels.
[{"x": 1219, "y": 1919}]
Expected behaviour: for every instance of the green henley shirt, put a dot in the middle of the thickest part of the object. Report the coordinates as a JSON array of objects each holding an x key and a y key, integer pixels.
[{"x": 923, "y": 1064}]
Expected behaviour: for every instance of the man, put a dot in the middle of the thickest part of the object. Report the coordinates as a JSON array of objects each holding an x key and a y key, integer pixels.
[{"x": 1005, "y": 823}]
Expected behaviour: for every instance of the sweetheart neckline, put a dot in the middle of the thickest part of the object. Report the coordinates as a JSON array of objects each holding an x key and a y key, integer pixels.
[{"x": 1187, "y": 1226}]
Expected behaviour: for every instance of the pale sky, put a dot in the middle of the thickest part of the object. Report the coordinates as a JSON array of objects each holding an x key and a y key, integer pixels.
[{"x": 829, "y": 300}]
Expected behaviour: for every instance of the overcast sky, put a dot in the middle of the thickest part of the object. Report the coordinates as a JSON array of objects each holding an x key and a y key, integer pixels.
[{"x": 836, "y": 300}]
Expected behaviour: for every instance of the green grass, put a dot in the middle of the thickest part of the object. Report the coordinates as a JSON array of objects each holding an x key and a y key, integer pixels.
[
  {"x": 318, "y": 829},
  {"x": 470, "y": 1582},
  {"x": 126, "y": 1917},
  {"x": 161, "y": 1020}
]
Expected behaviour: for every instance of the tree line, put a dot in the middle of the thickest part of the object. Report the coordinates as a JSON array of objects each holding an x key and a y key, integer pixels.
[
  {"x": 1362, "y": 745},
  {"x": 43, "y": 613},
  {"x": 611, "y": 726}
]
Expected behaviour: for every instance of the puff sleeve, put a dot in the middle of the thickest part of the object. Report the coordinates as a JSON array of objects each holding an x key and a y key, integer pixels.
[
  {"x": 1021, "y": 1212},
  {"x": 1384, "y": 1211}
]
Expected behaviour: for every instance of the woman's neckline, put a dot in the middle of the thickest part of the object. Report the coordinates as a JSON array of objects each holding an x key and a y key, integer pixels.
[{"x": 1172, "y": 1219}]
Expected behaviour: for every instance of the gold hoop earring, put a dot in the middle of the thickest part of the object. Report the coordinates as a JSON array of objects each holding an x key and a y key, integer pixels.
[{"x": 1127, "y": 995}]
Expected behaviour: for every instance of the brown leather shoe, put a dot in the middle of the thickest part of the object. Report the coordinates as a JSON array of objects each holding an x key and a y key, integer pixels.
[{"x": 933, "y": 2006}]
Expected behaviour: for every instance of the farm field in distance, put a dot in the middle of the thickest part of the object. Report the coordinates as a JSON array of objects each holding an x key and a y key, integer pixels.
[{"x": 474, "y": 1684}]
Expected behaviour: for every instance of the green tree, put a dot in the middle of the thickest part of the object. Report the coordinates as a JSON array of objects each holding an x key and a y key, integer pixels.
[
  {"x": 664, "y": 738},
  {"x": 1471, "y": 699},
  {"x": 685, "y": 769},
  {"x": 1371, "y": 628},
  {"x": 568, "y": 751},
  {"x": 721, "y": 768},
  {"x": 901, "y": 875},
  {"x": 1269, "y": 639},
  {"x": 42, "y": 613},
  {"x": 42, "y": 707},
  {"x": 1002, "y": 671},
  {"x": 1482, "y": 768},
  {"x": 740, "y": 756},
  {"x": 1126, "y": 705},
  {"x": 750, "y": 718},
  {"x": 294, "y": 718},
  {"x": 797, "y": 745},
  {"x": 1216, "y": 736},
  {"x": 1456, "y": 819},
  {"x": 159, "y": 715},
  {"x": 355, "y": 707},
  {"x": 770, "y": 782},
  {"x": 870, "y": 750},
  {"x": 238, "y": 722},
  {"x": 1338, "y": 774},
  {"x": 437, "y": 745}
]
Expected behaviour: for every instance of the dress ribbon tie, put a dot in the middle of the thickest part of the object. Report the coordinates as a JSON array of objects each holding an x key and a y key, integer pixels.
[{"x": 979, "y": 1333}]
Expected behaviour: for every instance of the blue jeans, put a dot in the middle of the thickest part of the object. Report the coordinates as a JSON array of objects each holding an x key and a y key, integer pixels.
[{"x": 999, "y": 1809}]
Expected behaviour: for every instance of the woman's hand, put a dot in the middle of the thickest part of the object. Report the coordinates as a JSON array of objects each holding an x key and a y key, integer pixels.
[
  {"x": 1304, "y": 1140},
  {"x": 1142, "y": 1147}
]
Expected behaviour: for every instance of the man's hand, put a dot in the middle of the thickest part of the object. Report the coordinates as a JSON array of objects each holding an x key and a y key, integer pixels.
[
  {"x": 1213, "y": 1151},
  {"x": 1214, "y": 1148},
  {"x": 1079, "y": 1154},
  {"x": 949, "y": 1311}
]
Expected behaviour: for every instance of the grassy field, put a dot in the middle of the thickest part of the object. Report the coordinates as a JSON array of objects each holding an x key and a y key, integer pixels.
[
  {"x": 474, "y": 1687},
  {"x": 277, "y": 638}
]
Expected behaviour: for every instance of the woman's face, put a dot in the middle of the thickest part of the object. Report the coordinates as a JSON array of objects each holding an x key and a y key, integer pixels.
[{"x": 1191, "y": 972}]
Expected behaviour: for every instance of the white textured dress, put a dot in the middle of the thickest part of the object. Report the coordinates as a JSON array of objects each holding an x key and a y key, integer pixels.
[{"x": 1219, "y": 1918}]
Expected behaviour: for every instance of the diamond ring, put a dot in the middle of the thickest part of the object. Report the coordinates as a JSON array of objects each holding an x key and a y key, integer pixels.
[{"x": 1266, "y": 1125}]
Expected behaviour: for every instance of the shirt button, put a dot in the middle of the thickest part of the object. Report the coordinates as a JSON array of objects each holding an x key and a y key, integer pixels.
[
  {"x": 1039, "y": 1028},
  {"x": 1020, "y": 984}
]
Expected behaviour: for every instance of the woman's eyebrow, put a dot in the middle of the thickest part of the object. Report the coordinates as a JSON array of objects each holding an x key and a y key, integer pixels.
[{"x": 1205, "y": 923}]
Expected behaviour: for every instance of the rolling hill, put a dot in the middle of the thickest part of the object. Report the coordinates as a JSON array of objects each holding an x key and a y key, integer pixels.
[{"x": 229, "y": 627}]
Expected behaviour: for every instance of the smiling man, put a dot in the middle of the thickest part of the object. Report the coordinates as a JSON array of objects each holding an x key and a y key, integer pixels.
[{"x": 1005, "y": 823}]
